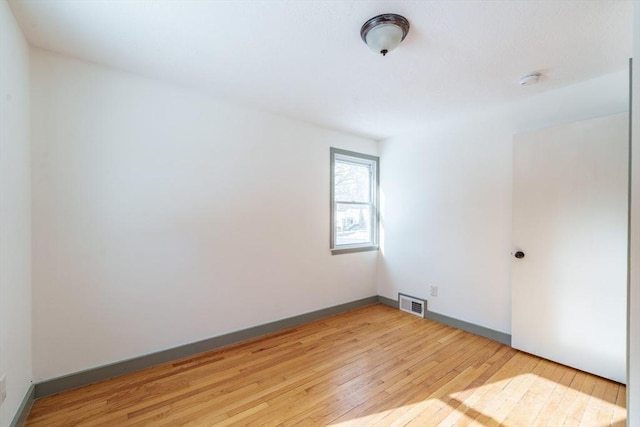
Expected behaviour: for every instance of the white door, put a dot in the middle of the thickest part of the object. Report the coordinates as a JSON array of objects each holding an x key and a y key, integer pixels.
[{"x": 570, "y": 223}]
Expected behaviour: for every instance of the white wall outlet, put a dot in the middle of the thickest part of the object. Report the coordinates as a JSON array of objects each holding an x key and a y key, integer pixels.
[
  {"x": 3, "y": 388},
  {"x": 434, "y": 291}
]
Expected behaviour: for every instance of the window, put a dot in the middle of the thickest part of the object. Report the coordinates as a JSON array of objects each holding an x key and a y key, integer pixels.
[{"x": 354, "y": 201}]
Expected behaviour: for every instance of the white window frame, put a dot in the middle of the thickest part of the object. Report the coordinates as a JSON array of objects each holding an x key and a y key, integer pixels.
[{"x": 374, "y": 163}]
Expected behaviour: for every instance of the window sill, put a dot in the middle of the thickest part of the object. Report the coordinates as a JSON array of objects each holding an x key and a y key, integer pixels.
[{"x": 340, "y": 251}]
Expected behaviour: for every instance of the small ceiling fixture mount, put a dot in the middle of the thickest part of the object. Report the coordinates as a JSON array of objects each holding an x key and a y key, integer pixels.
[
  {"x": 383, "y": 33},
  {"x": 530, "y": 79}
]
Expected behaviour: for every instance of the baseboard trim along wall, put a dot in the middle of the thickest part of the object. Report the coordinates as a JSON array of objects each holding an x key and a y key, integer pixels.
[
  {"x": 25, "y": 407},
  {"x": 500, "y": 337},
  {"x": 79, "y": 379}
]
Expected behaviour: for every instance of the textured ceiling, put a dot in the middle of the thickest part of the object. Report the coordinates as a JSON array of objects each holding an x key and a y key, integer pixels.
[{"x": 305, "y": 59}]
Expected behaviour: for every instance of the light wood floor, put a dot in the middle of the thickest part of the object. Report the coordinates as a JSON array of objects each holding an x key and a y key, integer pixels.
[{"x": 374, "y": 366}]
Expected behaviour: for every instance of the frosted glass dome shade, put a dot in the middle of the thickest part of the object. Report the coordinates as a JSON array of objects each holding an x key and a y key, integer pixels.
[
  {"x": 384, "y": 38},
  {"x": 384, "y": 33}
]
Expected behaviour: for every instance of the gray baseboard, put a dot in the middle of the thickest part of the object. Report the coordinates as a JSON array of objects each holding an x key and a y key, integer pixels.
[
  {"x": 79, "y": 379},
  {"x": 388, "y": 301},
  {"x": 25, "y": 407},
  {"x": 500, "y": 337}
]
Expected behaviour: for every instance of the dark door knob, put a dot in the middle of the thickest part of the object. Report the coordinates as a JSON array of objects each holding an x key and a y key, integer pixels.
[{"x": 519, "y": 254}]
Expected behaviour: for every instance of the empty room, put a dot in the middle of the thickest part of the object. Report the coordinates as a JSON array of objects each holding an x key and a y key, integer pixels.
[{"x": 319, "y": 213}]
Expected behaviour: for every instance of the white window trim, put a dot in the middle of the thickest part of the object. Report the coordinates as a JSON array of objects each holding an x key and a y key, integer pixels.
[{"x": 351, "y": 156}]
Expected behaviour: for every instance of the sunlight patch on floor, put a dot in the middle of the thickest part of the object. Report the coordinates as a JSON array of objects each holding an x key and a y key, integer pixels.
[{"x": 525, "y": 399}]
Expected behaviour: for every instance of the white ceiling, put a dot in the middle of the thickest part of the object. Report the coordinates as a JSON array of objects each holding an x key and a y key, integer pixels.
[{"x": 305, "y": 59}]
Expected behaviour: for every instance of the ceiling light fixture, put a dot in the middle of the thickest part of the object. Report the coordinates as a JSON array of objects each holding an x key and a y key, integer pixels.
[{"x": 384, "y": 33}]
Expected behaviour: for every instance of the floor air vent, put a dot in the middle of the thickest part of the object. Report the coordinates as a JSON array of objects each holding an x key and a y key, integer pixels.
[{"x": 412, "y": 305}]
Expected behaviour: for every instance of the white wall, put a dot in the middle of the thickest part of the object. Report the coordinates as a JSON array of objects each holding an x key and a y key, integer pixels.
[
  {"x": 447, "y": 200},
  {"x": 633, "y": 374},
  {"x": 162, "y": 217},
  {"x": 15, "y": 215}
]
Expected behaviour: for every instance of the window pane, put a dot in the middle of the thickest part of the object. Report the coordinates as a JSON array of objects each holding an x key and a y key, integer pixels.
[
  {"x": 352, "y": 182},
  {"x": 353, "y": 224}
]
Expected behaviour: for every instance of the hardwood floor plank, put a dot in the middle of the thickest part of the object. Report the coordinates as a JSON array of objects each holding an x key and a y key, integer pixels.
[{"x": 373, "y": 366}]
